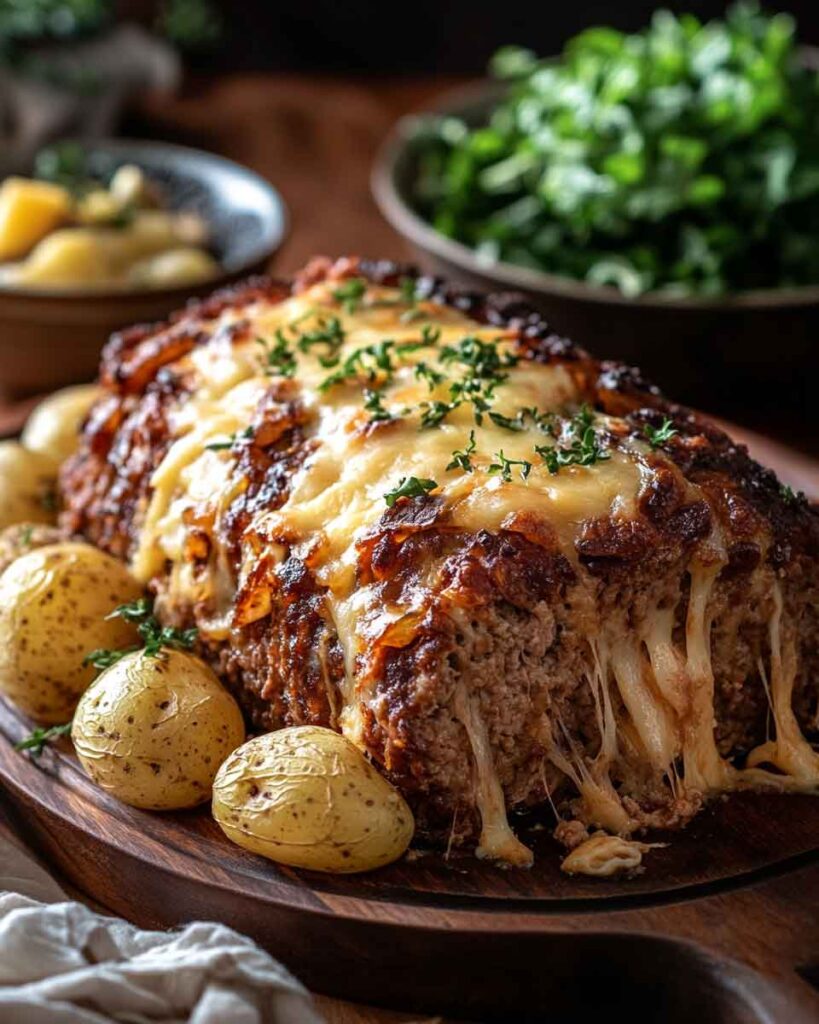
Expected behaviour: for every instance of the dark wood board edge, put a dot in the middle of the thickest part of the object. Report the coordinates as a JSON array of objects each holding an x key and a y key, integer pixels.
[{"x": 739, "y": 947}]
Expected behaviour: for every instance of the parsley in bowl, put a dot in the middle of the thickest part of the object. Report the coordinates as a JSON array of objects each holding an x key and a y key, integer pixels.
[{"x": 683, "y": 160}]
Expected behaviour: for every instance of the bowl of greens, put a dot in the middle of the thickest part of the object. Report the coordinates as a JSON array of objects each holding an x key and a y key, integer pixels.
[{"x": 656, "y": 194}]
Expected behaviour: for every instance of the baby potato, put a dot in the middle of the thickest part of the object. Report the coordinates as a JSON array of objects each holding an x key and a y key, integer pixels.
[
  {"x": 309, "y": 798},
  {"x": 174, "y": 268},
  {"x": 18, "y": 540},
  {"x": 54, "y": 426},
  {"x": 67, "y": 258},
  {"x": 27, "y": 485},
  {"x": 152, "y": 731},
  {"x": 29, "y": 210},
  {"x": 53, "y": 608}
]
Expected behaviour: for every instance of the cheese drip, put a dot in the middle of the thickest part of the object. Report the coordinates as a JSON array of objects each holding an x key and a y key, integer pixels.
[
  {"x": 498, "y": 841},
  {"x": 789, "y": 751}
]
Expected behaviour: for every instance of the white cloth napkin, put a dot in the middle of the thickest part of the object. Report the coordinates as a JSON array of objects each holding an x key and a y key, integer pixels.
[{"x": 61, "y": 963}]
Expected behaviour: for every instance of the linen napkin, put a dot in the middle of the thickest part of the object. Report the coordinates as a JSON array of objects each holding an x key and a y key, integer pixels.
[{"x": 62, "y": 963}]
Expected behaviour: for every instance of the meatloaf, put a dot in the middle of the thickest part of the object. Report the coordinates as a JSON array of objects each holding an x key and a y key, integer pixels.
[{"x": 512, "y": 574}]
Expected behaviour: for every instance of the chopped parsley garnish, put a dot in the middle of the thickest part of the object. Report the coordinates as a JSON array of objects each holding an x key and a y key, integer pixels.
[
  {"x": 350, "y": 293},
  {"x": 462, "y": 457},
  {"x": 788, "y": 494},
  {"x": 279, "y": 357},
  {"x": 481, "y": 357},
  {"x": 329, "y": 333},
  {"x": 409, "y": 487},
  {"x": 155, "y": 637},
  {"x": 434, "y": 413},
  {"x": 581, "y": 448},
  {"x": 372, "y": 361},
  {"x": 25, "y": 536},
  {"x": 221, "y": 446},
  {"x": 36, "y": 741},
  {"x": 503, "y": 467},
  {"x": 658, "y": 436},
  {"x": 373, "y": 403},
  {"x": 425, "y": 372},
  {"x": 507, "y": 422}
]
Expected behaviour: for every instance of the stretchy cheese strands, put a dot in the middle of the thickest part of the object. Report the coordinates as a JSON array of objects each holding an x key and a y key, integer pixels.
[
  {"x": 667, "y": 662},
  {"x": 789, "y": 751},
  {"x": 498, "y": 841},
  {"x": 650, "y": 716},
  {"x": 704, "y": 769},
  {"x": 601, "y": 804}
]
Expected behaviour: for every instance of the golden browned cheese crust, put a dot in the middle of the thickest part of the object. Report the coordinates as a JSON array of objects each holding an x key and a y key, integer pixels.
[{"x": 498, "y": 641}]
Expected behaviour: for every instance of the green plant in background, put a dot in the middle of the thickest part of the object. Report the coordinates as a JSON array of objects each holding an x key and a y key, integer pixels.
[
  {"x": 190, "y": 24},
  {"x": 25, "y": 25},
  {"x": 684, "y": 158}
]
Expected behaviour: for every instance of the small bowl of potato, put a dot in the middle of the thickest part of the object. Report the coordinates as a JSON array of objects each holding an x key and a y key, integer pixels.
[{"x": 101, "y": 236}]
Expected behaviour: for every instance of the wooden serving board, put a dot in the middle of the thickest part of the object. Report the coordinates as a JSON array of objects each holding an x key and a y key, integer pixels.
[{"x": 722, "y": 927}]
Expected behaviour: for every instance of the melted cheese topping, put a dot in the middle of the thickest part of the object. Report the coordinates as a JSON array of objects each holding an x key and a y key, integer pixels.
[{"x": 665, "y": 694}]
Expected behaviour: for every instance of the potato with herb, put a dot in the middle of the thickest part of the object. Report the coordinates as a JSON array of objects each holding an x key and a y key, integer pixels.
[
  {"x": 53, "y": 607},
  {"x": 308, "y": 797},
  {"x": 152, "y": 730},
  {"x": 53, "y": 428},
  {"x": 28, "y": 482}
]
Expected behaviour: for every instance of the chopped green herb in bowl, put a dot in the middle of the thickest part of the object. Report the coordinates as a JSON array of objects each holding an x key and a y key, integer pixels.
[{"x": 683, "y": 159}]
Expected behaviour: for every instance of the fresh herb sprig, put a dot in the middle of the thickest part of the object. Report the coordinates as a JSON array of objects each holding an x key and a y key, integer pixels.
[
  {"x": 503, "y": 467},
  {"x": 155, "y": 637},
  {"x": 279, "y": 357},
  {"x": 580, "y": 445},
  {"x": 350, "y": 293},
  {"x": 409, "y": 487},
  {"x": 659, "y": 436},
  {"x": 462, "y": 457},
  {"x": 233, "y": 439},
  {"x": 37, "y": 740}
]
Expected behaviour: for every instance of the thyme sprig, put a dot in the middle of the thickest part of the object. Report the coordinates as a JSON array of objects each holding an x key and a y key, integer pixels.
[
  {"x": 658, "y": 436},
  {"x": 155, "y": 637},
  {"x": 37, "y": 739},
  {"x": 581, "y": 447},
  {"x": 503, "y": 467},
  {"x": 462, "y": 457}
]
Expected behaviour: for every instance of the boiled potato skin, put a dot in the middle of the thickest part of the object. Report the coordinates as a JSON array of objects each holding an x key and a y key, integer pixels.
[
  {"x": 53, "y": 428},
  {"x": 53, "y": 603},
  {"x": 307, "y": 797},
  {"x": 152, "y": 731},
  {"x": 27, "y": 485},
  {"x": 20, "y": 539}
]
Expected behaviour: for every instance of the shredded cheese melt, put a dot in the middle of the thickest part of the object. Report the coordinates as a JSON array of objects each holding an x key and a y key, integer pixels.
[{"x": 647, "y": 689}]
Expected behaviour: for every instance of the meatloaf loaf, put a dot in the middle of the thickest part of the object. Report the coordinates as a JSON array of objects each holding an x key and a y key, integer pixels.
[{"x": 512, "y": 574}]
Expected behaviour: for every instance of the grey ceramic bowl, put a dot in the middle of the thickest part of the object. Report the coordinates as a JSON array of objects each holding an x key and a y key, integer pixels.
[
  {"x": 51, "y": 338},
  {"x": 749, "y": 356}
]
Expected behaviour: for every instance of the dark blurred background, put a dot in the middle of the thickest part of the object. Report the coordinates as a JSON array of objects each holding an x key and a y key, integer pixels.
[{"x": 424, "y": 36}]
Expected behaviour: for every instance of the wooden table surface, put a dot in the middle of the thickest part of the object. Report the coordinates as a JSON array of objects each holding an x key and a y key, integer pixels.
[{"x": 316, "y": 140}]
